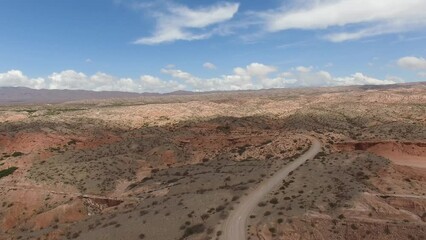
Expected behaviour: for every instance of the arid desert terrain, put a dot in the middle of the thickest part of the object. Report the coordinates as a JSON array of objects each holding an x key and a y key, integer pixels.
[{"x": 324, "y": 163}]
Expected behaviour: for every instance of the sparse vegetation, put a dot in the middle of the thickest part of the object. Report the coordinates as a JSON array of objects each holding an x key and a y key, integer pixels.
[
  {"x": 8, "y": 171},
  {"x": 156, "y": 167},
  {"x": 17, "y": 154}
]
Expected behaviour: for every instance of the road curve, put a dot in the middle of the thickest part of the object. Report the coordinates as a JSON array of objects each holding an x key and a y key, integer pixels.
[{"x": 234, "y": 227}]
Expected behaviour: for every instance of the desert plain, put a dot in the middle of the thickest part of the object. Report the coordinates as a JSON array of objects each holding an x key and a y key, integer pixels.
[{"x": 348, "y": 163}]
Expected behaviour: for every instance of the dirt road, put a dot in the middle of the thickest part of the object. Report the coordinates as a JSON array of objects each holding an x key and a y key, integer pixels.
[{"x": 235, "y": 225}]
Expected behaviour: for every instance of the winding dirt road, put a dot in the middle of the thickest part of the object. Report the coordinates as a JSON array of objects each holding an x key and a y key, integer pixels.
[{"x": 235, "y": 226}]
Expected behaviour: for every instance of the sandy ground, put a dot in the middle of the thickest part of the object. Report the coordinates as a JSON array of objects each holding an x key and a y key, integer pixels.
[
  {"x": 413, "y": 155},
  {"x": 235, "y": 226},
  {"x": 126, "y": 168}
]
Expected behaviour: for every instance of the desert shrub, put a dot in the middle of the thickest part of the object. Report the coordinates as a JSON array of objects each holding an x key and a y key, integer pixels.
[
  {"x": 205, "y": 216},
  {"x": 6, "y": 172},
  {"x": 195, "y": 229},
  {"x": 242, "y": 149},
  {"x": 17, "y": 154},
  {"x": 220, "y": 208},
  {"x": 387, "y": 231},
  {"x": 274, "y": 201},
  {"x": 332, "y": 204},
  {"x": 143, "y": 212},
  {"x": 224, "y": 129},
  {"x": 76, "y": 235}
]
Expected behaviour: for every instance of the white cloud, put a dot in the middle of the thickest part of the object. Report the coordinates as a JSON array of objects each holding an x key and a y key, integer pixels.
[
  {"x": 422, "y": 74},
  {"x": 15, "y": 78},
  {"x": 303, "y": 77},
  {"x": 69, "y": 79},
  {"x": 252, "y": 76},
  {"x": 366, "y": 17},
  {"x": 257, "y": 76},
  {"x": 249, "y": 77},
  {"x": 328, "y": 65},
  {"x": 361, "y": 79},
  {"x": 412, "y": 63},
  {"x": 363, "y": 33},
  {"x": 324, "y": 78},
  {"x": 209, "y": 65},
  {"x": 304, "y": 69},
  {"x": 179, "y": 74},
  {"x": 259, "y": 70},
  {"x": 179, "y": 22}
]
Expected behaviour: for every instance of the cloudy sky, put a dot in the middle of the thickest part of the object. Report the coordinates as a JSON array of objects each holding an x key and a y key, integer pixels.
[{"x": 203, "y": 45}]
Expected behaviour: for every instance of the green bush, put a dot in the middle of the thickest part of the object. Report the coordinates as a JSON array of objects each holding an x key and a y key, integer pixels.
[
  {"x": 196, "y": 229},
  {"x": 17, "y": 154},
  {"x": 5, "y": 172}
]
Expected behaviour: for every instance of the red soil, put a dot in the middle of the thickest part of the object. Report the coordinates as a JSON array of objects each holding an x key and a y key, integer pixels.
[{"x": 400, "y": 153}]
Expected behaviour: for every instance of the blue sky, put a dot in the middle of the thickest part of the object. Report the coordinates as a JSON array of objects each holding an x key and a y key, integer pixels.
[{"x": 168, "y": 45}]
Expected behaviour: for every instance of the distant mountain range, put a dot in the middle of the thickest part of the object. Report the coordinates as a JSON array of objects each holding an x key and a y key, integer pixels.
[{"x": 22, "y": 95}]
